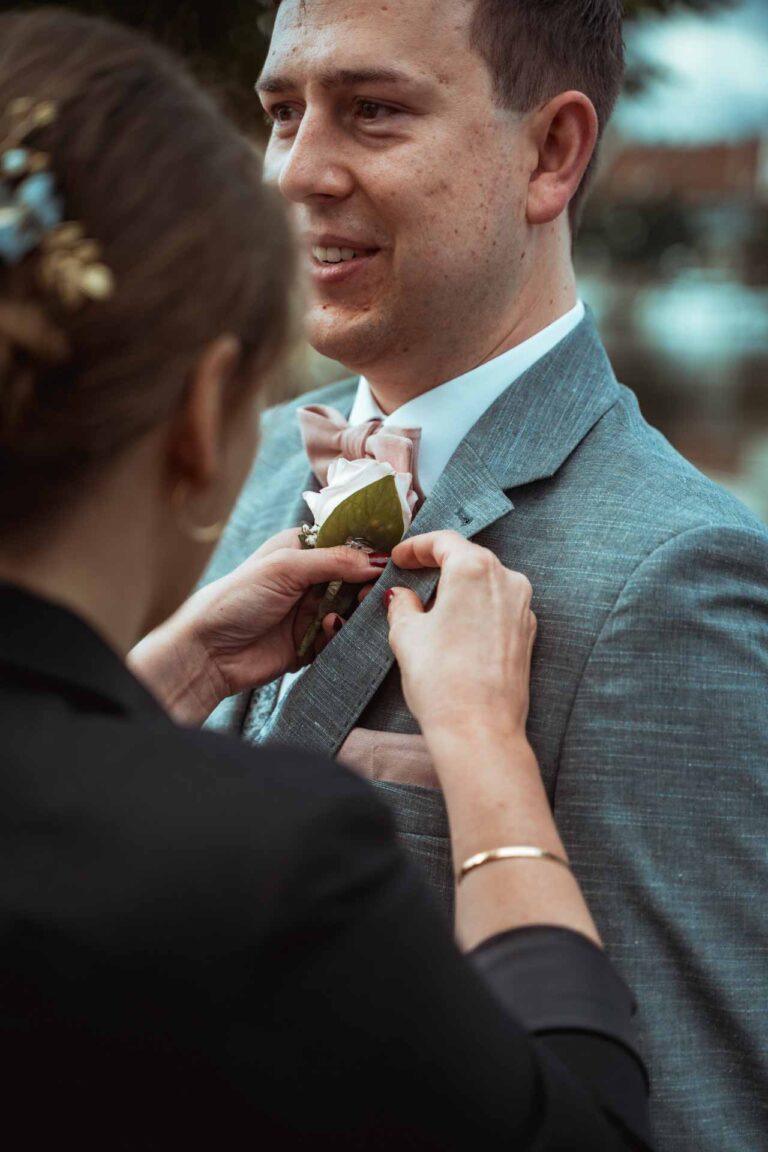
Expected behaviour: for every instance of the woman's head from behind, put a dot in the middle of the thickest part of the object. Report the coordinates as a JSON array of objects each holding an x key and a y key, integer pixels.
[{"x": 161, "y": 375}]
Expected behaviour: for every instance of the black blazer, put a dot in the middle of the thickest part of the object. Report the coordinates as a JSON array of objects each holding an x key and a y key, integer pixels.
[{"x": 203, "y": 945}]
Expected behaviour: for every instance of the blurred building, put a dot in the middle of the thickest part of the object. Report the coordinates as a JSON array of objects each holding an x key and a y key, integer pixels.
[
  {"x": 673, "y": 258},
  {"x": 673, "y": 255},
  {"x": 695, "y": 175}
]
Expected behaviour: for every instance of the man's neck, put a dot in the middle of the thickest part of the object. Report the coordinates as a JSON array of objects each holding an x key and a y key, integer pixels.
[{"x": 396, "y": 382}]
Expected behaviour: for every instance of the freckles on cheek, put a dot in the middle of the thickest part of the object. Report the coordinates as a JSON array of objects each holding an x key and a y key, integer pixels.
[
  {"x": 390, "y": 198},
  {"x": 441, "y": 188},
  {"x": 447, "y": 178}
]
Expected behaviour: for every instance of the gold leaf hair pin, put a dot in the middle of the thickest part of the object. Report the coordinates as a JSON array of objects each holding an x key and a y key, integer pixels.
[
  {"x": 32, "y": 215},
  {"x": 71, "y": 267}
]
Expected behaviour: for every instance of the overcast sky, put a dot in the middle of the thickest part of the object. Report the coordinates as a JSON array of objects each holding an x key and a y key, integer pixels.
[{"x": 717, "y": 82}]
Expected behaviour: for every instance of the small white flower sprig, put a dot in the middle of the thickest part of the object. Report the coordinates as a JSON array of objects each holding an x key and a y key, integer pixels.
[{"x": 366, "y": 504}]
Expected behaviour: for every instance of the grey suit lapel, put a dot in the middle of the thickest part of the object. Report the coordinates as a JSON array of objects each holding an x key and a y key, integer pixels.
[
  {"x": 533, "y": 428},
  {"x": 524, "y": 437}
]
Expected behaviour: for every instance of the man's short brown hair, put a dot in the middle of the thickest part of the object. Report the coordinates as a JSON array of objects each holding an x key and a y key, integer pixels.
[{"x": 538, "y": 48}]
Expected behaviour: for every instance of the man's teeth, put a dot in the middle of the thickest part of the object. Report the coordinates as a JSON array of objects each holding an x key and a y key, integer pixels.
[{"x": 334, "y": 255}]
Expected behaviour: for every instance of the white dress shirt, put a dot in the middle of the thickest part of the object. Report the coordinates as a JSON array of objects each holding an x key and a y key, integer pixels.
[{"x": 445, "y": 414}]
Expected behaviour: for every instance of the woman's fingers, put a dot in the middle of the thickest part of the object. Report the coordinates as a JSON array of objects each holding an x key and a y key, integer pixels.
[
  {"x": 301, "y": 568},
  {"x": 287, "y": 539},
  {"x": 469, "y": 654},
  {"x": 403, "y": 607},
  {"x": 471, "y": 578},
  {"x": 467, "y": 569},
  {"x": 401, "y": 604},
  {"x": 332, "y": 625},
  {"x": 534, "y": 626},
  {"x": 430, "y": 550}
]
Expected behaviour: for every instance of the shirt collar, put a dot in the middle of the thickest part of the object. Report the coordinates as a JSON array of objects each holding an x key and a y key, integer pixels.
[{"x": 446, "y": 414}]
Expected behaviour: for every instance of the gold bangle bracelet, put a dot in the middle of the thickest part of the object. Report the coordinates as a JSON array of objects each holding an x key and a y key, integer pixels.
[{"x": 517, "y": 853}]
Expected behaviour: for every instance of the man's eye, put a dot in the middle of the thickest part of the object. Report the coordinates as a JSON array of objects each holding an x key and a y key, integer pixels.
[
  {"x": 370, "y": 110},
  {"x": 281, "y": 115}
]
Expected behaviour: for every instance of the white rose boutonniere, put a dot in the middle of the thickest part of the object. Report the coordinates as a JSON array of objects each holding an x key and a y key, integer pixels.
[
  {"x": 364, "y": 499},
  {"x": 366, "y": 504}
]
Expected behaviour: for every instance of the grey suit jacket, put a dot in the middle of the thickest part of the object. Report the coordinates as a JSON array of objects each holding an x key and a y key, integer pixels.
[{"x": 649, "y": 705}]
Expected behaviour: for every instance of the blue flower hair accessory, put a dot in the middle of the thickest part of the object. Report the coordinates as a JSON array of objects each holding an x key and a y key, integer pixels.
[{"x": 32, "y": 215}]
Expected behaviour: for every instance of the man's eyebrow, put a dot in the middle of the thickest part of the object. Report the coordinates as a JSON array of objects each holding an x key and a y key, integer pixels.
[{"x": 337, "y": 78}]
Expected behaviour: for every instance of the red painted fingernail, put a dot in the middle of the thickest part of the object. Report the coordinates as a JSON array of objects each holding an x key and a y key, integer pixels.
[
  {"x": 338, "y": 624},
  {"x": 378, "y": 559},
  {"x": 389, "y": 596}
]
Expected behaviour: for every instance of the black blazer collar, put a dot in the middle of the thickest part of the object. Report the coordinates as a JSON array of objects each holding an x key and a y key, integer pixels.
[{"x": 45, "y": 642}]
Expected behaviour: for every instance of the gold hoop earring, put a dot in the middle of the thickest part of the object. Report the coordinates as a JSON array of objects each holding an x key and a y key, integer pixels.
[{"x": 209, "y": 534}]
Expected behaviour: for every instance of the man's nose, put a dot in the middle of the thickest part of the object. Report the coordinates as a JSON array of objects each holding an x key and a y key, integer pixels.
[{"x": 313, "y": 165}]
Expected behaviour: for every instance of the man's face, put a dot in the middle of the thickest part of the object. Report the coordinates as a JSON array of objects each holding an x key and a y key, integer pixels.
[{"x": 409, "y": 182}]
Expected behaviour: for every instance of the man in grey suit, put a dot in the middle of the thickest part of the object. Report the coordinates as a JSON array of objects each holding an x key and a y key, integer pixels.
[{"x": 436, "y": 154}]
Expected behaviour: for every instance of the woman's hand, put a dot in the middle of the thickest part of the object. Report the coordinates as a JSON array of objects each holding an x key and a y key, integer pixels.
[
  {"x": 245, "y": 629},
  {"x": 465, "y": 661},
  {"x": 466, "y": 670}
]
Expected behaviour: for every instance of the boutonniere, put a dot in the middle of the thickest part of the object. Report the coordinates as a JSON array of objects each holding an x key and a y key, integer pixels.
[{"x": 366, "y": 504}]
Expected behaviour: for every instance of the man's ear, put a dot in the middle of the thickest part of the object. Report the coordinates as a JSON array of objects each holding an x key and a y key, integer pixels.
[
  {"x": 565, "y": 135},
  {"x": 196, "y": 443}
]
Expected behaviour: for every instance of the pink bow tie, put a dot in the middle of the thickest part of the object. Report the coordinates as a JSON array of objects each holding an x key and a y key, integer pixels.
[{"x": 327, "y": 435}]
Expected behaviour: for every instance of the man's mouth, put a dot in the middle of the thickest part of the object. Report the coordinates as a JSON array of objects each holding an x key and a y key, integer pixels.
[
  {"x": 339, "y": 255},
  {"x": 337, "y": 261}
]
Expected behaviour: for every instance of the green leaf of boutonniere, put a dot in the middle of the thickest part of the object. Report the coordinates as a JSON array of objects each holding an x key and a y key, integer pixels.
[{"x": 373, "y": 514}]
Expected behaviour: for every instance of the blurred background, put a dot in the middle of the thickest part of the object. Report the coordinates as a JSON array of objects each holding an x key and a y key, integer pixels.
[{"x": 673, "y": 250}]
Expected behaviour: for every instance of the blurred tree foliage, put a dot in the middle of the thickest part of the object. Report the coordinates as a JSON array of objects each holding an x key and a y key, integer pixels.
[{"x": 225, "y": 42}]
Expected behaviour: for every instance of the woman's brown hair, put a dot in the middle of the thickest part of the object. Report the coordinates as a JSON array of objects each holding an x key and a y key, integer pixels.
[{"x": 197, "y": 245}]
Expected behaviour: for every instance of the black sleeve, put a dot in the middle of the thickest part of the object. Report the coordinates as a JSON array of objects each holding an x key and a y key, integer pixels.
[
  {"x": 396, "y": 1040},
  {"x": 564, "y": 990}
]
